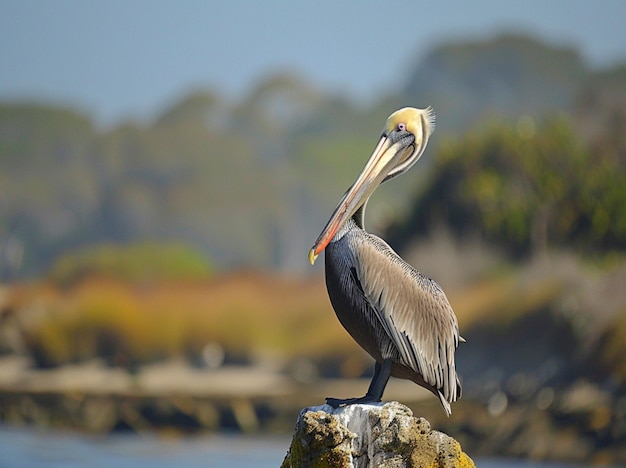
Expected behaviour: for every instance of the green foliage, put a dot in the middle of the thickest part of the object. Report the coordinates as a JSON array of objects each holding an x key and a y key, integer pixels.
[
  {"x": 524, "y": 188},
  {"x": 135, "y": 263}
]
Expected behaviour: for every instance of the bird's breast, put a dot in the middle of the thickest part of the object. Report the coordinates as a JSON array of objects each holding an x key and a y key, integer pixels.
[{"x": 347, "y": 297}]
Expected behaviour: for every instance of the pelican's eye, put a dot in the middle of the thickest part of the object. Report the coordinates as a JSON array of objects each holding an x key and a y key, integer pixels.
[{"x": 401, "y": 127}]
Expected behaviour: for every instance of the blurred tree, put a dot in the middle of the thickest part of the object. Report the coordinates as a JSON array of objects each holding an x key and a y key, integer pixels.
[
  {"x": 136, "y": 263},
  {"x": 201, "y": 107},
  {"x": 48, "y": 190},
  {"x": 507, "y": 75},
  {"x": 251, "y": 183},
  {"x": 524, "y": 188}
]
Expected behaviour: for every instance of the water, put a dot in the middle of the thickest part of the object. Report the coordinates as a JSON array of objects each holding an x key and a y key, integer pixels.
[
  {"x": 34, "y": 448},
  {"x": 31, "y": 448}
]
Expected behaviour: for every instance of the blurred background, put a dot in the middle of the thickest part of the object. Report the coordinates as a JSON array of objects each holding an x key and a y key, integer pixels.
[{"x": 164, "y": 169}]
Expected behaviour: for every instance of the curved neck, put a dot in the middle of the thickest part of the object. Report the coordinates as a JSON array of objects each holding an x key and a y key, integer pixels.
[{"x": 359, "y": 215}]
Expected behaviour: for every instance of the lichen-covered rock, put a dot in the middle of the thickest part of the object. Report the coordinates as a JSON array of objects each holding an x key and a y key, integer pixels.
[{"x": 382, "y": 435}]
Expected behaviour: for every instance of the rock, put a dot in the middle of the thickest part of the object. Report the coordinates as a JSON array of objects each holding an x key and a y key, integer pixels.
[{"x": 382, "y": 435}]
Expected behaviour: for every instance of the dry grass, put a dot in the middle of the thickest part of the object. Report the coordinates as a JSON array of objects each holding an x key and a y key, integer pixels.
[
  {"x": 502, "y": 300},
  {"x": 247, "y": 313},
  {"x": 252, "y": 314}
]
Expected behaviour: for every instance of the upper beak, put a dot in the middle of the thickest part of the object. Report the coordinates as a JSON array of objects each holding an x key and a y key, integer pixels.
[{"x": 383, "y": 159}]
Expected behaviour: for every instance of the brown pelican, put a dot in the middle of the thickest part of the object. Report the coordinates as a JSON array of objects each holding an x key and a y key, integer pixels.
[{"x": 399, "y": 316}]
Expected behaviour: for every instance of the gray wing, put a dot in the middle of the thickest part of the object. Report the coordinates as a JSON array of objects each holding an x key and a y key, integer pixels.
[{"x": 414, "y": 312}]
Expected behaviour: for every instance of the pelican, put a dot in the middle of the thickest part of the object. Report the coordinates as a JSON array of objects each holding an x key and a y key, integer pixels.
[{"x": 399, "y": 316}]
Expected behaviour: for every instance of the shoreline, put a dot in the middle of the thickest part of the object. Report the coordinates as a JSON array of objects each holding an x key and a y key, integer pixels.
[{"x": 581, "y": 425}]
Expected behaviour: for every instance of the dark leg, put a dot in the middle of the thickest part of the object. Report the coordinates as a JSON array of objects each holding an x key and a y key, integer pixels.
[{"x": 374, "y": 394}]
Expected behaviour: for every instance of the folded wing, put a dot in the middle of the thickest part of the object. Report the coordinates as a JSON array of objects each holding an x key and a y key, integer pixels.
[{"x": 414, "y": 312}]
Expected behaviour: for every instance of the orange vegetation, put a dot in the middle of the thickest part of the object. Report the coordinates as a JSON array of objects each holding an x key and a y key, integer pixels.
[{"x": 247, "y": 313}]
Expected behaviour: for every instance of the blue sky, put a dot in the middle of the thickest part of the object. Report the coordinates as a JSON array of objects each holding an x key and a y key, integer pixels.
[{"x": 129, "y": 59}]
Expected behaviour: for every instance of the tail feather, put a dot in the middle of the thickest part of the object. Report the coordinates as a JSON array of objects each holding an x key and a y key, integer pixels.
[{"x": 445, "y": 403}]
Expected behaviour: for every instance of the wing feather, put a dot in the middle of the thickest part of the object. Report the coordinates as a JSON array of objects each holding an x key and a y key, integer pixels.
[{"x": 413, "y": 311}]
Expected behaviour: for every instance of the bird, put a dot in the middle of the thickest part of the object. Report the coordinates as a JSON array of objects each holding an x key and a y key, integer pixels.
[{"x": 399, "y": 316}]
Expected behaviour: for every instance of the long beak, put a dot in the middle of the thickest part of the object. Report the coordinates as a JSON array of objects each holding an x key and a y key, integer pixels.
[{"x": 384, "y": 157}]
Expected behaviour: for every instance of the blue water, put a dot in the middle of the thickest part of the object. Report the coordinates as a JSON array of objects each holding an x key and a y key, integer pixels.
[
  {"x": 33, "y": 448},
  {"x": 30, "y": 448}
]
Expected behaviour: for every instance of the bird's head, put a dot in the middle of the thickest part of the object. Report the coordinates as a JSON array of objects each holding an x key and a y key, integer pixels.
[{"x": 401, "y": 144}]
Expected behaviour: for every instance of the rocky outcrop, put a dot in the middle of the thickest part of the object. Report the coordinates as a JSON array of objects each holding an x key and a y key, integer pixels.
[{"x": 382, "y": 435}]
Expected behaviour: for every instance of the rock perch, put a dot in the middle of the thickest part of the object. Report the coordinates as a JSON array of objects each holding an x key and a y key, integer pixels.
[{"x": 381, "y": 435}]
